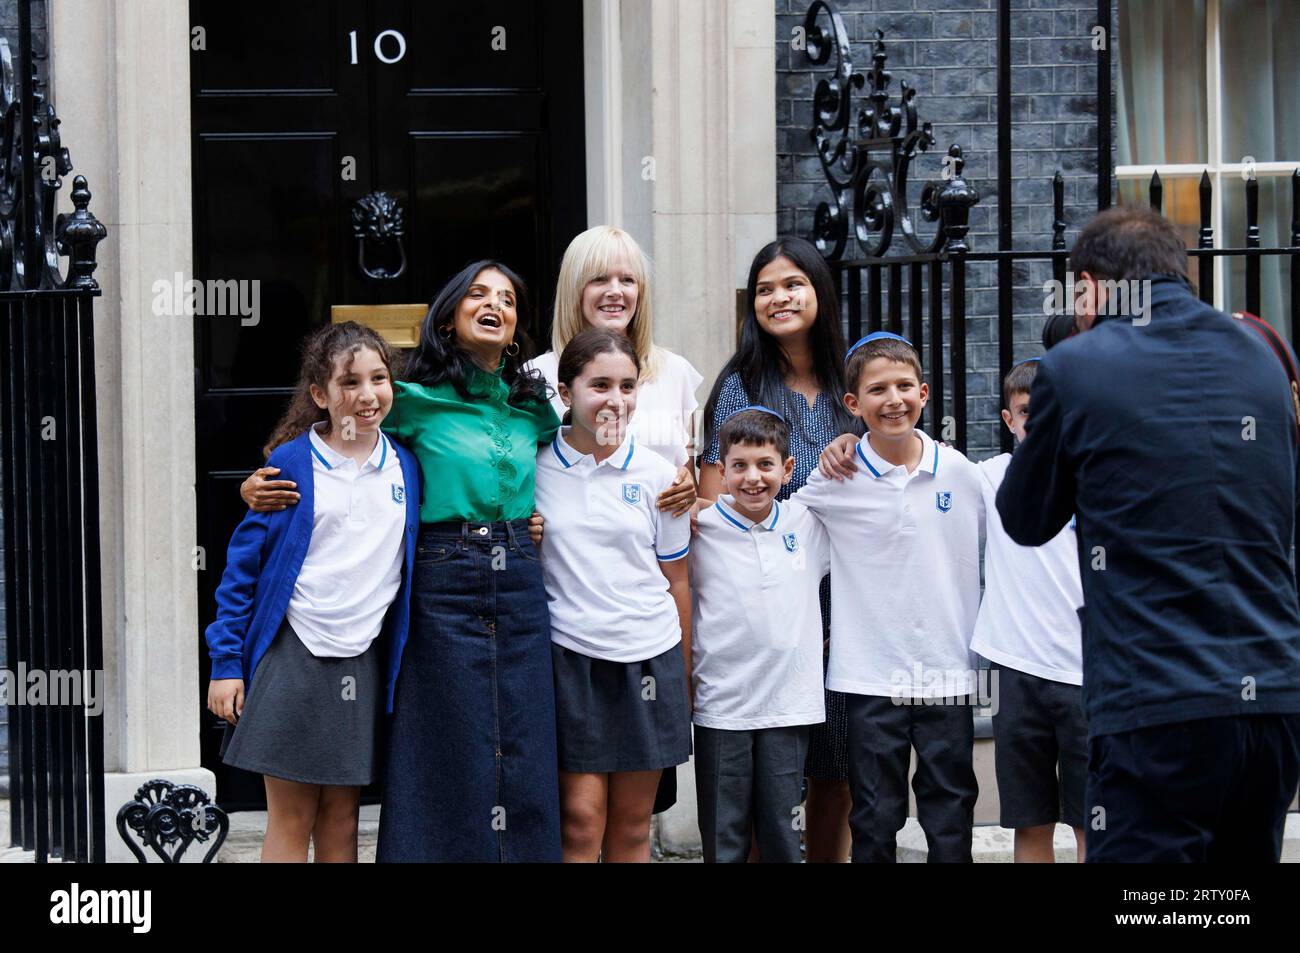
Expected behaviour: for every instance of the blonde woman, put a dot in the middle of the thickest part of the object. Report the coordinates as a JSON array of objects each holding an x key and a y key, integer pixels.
[{"x": 605, "y": 283}]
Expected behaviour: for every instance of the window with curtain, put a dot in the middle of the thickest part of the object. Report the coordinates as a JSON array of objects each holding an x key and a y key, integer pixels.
[{"x": 1214, "y": 86}]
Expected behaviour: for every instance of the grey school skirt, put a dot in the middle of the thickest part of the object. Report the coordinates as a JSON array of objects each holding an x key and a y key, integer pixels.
[
  {"x": 304, "y": 721},
  {"x": 620, "y": 716}
]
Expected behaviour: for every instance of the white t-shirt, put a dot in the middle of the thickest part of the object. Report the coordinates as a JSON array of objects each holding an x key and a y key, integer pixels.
[
  {"x": 604, "y": 541},
  {"x": 756, "y": 639},
  {"x": 353, "y": 566},
  {"x": 905, "y": 585},
  {"x": 1027, "y": 620},
  {"x": 664, "y": 406}
]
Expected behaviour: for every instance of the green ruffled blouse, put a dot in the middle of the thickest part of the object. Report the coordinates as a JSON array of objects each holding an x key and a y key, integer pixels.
[{"x": 477, "y": 457}]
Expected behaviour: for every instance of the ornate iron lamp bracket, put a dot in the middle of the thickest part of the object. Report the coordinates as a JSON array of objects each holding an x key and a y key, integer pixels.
[
  {"x": 867, "y": 158},
  {"x": 32, "y": 164}
]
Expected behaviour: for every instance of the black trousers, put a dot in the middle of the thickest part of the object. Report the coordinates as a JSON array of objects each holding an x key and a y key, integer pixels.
[
  {"x": 882, "y": 735},
  {"x": 748, "y": 787},
  {"x": 1210, "y": 790}
]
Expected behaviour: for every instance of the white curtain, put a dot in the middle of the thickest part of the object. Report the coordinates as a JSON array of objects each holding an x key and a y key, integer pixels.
[
  {"x": 1260, "y": 41},
  {"x": 1162, "y": 116},
  {"x": 1162, "y": 108}
]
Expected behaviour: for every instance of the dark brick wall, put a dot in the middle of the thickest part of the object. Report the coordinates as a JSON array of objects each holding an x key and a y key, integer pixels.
[
  {"x": 9, "y": 29},
  {"x": 947, "y": 51}
]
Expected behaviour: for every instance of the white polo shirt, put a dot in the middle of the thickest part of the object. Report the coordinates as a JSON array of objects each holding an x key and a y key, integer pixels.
[
  {"x": 756, "y": 639},
  {"x": 601, "y": 551},
  {"x": 353, "y": 566},
  {"x": 664, "y": 405},
  {"x": 905, "y": 585},
  {"x": 1027, "y": 620}
]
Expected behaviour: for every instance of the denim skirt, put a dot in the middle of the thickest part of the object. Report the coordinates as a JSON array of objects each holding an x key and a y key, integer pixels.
[{"x": 471, "y": 772}]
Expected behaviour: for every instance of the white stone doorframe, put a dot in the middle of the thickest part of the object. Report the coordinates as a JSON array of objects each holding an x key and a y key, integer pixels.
[
  {"x": 685, "y": 91},
  {"x": 120, "y": 78},
  {"x": 688, "y": 85},
  {"x": 681, "y": 151}
]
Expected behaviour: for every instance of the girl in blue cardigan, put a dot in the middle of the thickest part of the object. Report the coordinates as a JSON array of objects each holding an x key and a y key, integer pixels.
[{"x": 314, "y": 601}]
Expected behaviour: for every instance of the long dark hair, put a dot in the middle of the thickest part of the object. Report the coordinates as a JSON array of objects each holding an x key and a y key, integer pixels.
[
  {"x": 759, "y": 359},
  {"x": 584, "y": 347},
  {"x": 437, "y": 359},
  {"x": 319, "y": 352}
]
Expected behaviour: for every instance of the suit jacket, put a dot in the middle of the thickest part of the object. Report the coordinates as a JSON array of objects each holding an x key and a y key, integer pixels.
[{"x": 1174, "y": 441}]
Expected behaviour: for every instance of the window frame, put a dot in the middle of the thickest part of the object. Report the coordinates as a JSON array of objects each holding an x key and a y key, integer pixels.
[{"x": 1220, "y": 172}]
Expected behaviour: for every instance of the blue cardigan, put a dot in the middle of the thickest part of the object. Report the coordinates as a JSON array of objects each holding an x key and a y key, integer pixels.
[{"x": 265, "y": 556}]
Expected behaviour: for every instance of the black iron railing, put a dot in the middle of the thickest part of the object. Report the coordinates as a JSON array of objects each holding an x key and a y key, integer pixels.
[
  {"x": 1251, "y": 251},
  {"x": 866, "y": 158},
  {"x": 51, "y": 476}
]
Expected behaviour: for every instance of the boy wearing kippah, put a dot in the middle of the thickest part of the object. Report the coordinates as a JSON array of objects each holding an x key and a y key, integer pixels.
[
  {"x": 905, "y": 590},
  {"x": 756, "y": 568},
  {"x": 1028, "y": 627}
]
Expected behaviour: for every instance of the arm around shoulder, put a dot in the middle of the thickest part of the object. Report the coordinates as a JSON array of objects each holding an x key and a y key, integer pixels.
[
  {"x": 672, "y": 531},
  {"x": 819, "y": 548},
  {"x": 817, "y": 494}
]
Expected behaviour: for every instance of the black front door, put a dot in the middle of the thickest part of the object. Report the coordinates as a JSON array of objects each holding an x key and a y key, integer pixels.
[{"x": 470, "y": 116}]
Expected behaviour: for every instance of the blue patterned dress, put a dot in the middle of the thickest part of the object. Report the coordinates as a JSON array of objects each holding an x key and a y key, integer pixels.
[{"x": 811, "y": 429}]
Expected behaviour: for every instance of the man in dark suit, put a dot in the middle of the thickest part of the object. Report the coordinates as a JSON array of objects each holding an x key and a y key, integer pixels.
[{"x": 1168, "y": 429}]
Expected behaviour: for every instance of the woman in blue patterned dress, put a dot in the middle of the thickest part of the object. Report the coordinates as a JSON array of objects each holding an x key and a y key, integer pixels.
[{"x": 791, "y": 358}]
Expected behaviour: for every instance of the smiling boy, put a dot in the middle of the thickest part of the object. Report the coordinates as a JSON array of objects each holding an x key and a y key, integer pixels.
[
  {"x": 756, "y": 566},
  {"x": 905, "y": 590}
]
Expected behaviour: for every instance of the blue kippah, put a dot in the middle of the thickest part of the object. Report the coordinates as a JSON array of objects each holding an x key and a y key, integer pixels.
[
  {"x": 1028, "y": 360},
  {"x": 766, "y": 410},
  {"x": 877, "y": 336}
]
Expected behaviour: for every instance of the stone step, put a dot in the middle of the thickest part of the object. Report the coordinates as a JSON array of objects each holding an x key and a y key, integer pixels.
[
  {"x": 992, "y": 844},
  {"x": 989, "y": 845}
]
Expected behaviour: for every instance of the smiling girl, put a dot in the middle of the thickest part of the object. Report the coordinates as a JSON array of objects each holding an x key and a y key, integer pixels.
[
  {"x": 313, "y": 602},
  {"x": 616, "y": 579},
  {"x": 604, "y": 282}
]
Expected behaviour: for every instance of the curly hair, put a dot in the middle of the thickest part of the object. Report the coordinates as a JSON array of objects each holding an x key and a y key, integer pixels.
[{"x": 320, "y": 351}]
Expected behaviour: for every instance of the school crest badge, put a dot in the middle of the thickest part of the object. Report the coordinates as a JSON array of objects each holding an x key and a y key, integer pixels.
[
  {"x": 399, "y": 493},
  {"x": 791, "y": 542},
  {"x": 943, "y": 500},
  {"x": 632, "y": 493}
]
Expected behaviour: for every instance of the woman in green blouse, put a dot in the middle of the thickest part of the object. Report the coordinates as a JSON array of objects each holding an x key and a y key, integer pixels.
[{"x": 471, "y": 773}]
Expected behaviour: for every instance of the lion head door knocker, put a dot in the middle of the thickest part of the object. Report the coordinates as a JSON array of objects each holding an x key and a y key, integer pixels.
[{"x": 377, "y": 225}]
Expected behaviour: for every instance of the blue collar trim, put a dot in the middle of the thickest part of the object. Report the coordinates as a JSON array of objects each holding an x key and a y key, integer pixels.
[{"x": 863, "y": 457}]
